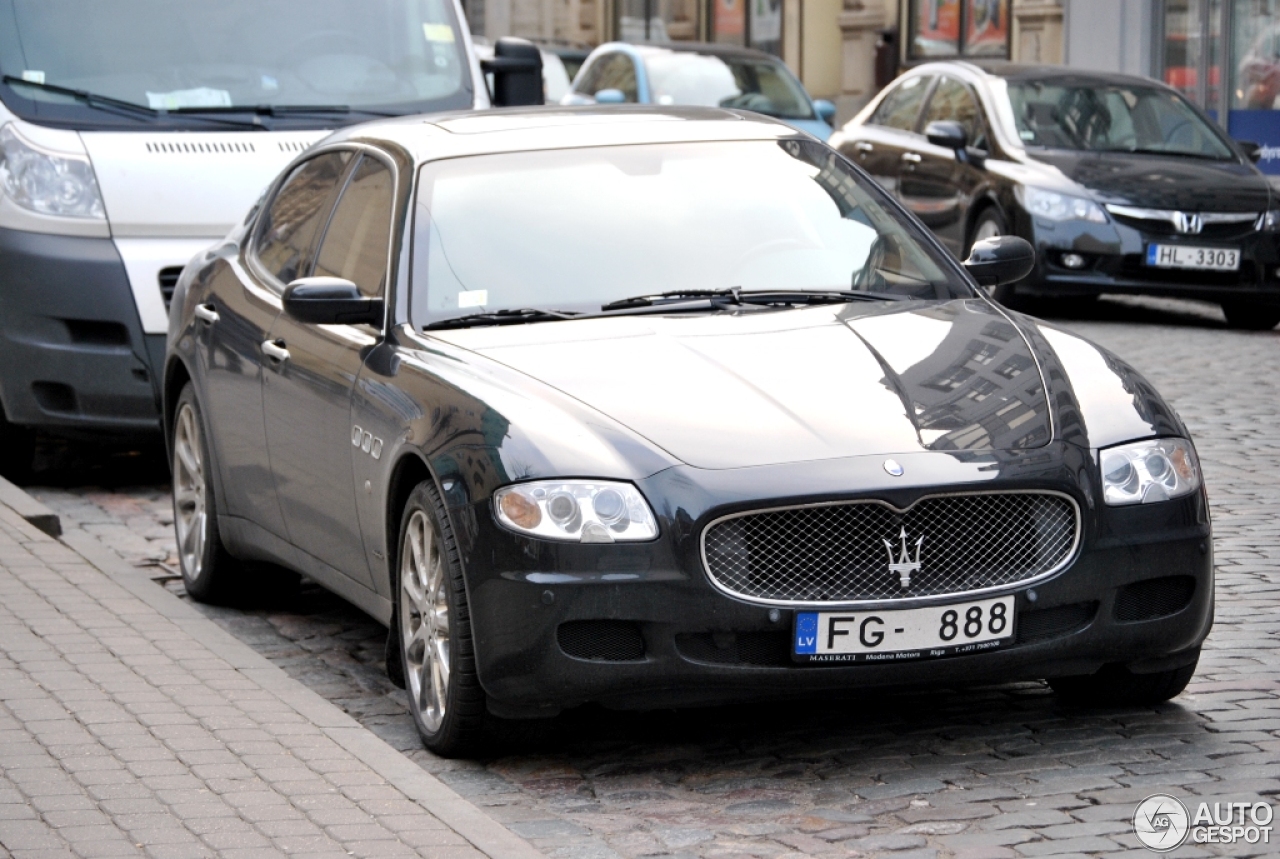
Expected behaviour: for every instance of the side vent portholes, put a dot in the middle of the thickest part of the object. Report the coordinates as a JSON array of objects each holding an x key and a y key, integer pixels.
[{"x": 183, "y": 147}]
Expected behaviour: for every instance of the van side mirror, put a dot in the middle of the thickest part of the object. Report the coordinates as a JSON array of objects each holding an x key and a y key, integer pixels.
[
  {"x": 1251, "y": 150},
  {"x": 331, "y": 301},
  {"x": 1000, "y": 260},
  {"x": 517, "y": 72},
  {"x": 947, "y": 133}
]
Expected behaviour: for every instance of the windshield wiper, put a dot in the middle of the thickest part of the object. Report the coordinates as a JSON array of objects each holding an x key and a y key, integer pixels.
[
  {"x": 735, "y": 296},
  {"x": 109, "y": 103},
  {"x": 285, "y": 109},
  {"x": 500, "y": 317}
]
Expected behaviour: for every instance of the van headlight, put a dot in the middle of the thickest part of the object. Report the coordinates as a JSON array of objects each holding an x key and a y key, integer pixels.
[
  {"x": 1147, "y": 471},
  {"x": 586, "y": 511},
  {"x": 46, "y": 182}
]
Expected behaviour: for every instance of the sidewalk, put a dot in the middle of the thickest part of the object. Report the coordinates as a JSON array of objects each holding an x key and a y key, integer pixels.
[{"x": 130, "y": 725}]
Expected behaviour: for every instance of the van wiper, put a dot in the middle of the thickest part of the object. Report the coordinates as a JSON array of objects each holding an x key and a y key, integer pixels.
[
  {"x": 286, "y": 110},
  {"x": 512, "y": 316},
  {"x": 106, "y": 102},
  {"x": 769, "y": 297}
]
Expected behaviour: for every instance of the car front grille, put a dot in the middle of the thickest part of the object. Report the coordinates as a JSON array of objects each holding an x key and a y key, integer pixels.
[{"x": 941, "y": 545}]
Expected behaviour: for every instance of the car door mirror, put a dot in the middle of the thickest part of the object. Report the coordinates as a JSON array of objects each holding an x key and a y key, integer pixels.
[
  {"x": 1251, "y": 150},
  {"x": 611, "y": 96},
  {"x": 947, "y": 133},
  {"x": 826, "y": 111},
  {"x": 1000, "y": 260},
  {"x": 517, "y": 72},
  {"x": 331, "y": 301}
]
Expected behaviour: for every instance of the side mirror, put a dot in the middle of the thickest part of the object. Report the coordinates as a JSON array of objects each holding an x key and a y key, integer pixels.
[
  {"x": 517, "y": 72},
  {"x": 1000, "y": 260},
  {"x": 331, "y": 301},
  {"x": 826, "y": 111},
  {"x": 611, "y": 96},
  {"x": 947, "y": 133},
  {"x": 1251, "y": 150}
]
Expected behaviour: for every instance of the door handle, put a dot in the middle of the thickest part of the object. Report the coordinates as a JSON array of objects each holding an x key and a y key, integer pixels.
[
  {"x": 911, "y": 157},
  {"x": 864, "y": 147},
  {"x": 206, "y": 313},
  {"x": 274, "y": 349}
]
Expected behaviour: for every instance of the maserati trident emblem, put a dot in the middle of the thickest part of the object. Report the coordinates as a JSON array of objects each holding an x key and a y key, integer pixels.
[{"x": 904, "y": 566}]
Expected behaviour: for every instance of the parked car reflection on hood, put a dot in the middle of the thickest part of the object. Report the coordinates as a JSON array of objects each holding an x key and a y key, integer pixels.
[{"x": 1119, "y": 182}]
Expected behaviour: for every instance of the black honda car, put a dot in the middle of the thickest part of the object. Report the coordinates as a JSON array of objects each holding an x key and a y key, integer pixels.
[
  {"x": 1119, "y": 182},
  {"x": 661, "y": 407}
]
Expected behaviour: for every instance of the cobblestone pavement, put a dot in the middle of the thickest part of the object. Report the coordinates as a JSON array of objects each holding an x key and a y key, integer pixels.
[{"x": 993, "y": 772}]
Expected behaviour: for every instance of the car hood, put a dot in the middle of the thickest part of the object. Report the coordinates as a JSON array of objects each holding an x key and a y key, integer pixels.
[
  {"x": 1162, "y": 182},
  {"x": 731, "y": 391}
]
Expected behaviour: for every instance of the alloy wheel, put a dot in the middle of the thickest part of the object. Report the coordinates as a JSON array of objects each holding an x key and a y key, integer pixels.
[
  {"x": 988, "y": 229},
  {"x": 424, "y": 620},
  {"x": 189, "y": 507}
]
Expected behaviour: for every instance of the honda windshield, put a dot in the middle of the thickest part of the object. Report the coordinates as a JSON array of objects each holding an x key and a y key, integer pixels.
[
  {"x": 1098, "y": 117},
  {"x": 299, "y": 62}
]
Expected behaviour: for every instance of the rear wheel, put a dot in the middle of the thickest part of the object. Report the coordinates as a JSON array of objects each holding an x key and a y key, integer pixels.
[
  {"x": 208, "y": 570},
  {"x": 1250, "y": 315},
  {"x": 1116, "y": 685}
]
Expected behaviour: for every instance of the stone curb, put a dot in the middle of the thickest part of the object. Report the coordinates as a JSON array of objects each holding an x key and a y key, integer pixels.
[
  {"x": 30, "y": 509},
  {"x": 483, "y": 832}
]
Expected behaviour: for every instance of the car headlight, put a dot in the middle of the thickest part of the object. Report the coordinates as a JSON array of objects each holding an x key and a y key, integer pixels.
[
  {"x": 586, "y": 511},
  {"x": 1059, "y": 207},
  {"x": 1147, "y": 471},
  {"x": 49, "y": 183},
  {"x": 1269, "y": 220}
]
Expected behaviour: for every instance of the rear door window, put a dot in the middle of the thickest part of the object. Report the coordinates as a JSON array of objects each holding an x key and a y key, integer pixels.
[
  {"x": 901, "y": 107},
  {"x": 288, "y": 228}
]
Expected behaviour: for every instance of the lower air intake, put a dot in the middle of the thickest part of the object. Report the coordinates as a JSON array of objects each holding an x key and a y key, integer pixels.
[
  {"x": 1153, "y": 598},
  {"x": 602, "y": 640}
]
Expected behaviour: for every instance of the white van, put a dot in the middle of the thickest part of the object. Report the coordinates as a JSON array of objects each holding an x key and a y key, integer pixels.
[{"x": 134, "y": 133}]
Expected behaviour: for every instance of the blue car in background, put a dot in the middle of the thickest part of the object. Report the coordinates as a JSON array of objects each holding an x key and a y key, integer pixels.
[{"x": 706, "y": 75}]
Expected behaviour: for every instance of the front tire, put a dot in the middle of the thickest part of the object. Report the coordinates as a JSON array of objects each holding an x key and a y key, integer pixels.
[
  {"x": 434, "y": 626},
  {"x": 1116, "y": 685},
  {"x": 1250, "y": 315},
  {"x": 208, "y": 570}
]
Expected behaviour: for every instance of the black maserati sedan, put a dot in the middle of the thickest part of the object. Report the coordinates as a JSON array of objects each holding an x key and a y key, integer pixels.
[
  {"x": 667, "y": 407},
  {"x": 1120, "y": 183}
]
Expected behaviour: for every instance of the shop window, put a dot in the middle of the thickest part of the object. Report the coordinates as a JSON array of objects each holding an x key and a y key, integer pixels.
[{"x": 954, "y": 28}]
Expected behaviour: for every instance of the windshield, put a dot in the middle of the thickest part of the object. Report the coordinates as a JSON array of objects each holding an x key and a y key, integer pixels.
[
  {"x": 396, "y": 56},
  {"x": 574, "y": 229},
  {"x": 742, "y": 82},
  {"x": 1104, "y": 118}
]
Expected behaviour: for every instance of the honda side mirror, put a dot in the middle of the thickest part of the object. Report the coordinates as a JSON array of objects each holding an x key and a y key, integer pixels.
[
  {"x": 947, "y": 133},
  {"x": 331, "y": 301},
  {"x": 1000, "y": 260},
  {"x": 517, "y": 72}
]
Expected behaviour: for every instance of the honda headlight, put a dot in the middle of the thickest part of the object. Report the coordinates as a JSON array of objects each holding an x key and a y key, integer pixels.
[
  {"x": 1059, "y": 207},
  {"x": 586, "y": 511},
  {"x": 1147, "y": 471},
  {"x": 1269, "y": 220},
  {"x": 46, "y": 182}
]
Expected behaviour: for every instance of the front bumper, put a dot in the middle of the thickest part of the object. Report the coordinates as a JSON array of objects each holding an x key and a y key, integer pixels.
[
  {"x": 72, "y": 349},
  {"x": 1115, "y": 262},
  {"x": 640, "y": 625}
]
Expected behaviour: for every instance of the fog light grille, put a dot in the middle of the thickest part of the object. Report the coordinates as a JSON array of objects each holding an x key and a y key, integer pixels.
[
  {"x": 1153, "y": 598},
  {"x": 601, "y": 640}
]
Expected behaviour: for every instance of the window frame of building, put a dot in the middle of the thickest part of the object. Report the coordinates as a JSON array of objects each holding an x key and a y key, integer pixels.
[{"x": 910, "y": 12}]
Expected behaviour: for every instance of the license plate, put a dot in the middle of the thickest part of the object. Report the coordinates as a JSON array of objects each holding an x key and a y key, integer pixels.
[
  {"x": 1183, "y": 256},
  {"x": 900, "y": 635}
]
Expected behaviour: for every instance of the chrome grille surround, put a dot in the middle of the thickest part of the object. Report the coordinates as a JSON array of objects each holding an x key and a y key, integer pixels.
[{"x": 833, "y": 553}]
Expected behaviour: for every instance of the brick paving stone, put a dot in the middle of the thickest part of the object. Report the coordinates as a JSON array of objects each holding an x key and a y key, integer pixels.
[{"x": 1022, "y": 774}]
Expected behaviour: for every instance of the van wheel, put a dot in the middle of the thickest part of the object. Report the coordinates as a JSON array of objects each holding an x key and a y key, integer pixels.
[
  {"x": 1115, "y": 685},
  {"x": 1250, "y": 315},
  {"x": 209, "y": 572},
  {"x": 434, "y": 630}
]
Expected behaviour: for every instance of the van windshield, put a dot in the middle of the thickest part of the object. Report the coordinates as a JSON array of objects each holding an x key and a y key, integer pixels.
[{"x": 269, "y": 57}]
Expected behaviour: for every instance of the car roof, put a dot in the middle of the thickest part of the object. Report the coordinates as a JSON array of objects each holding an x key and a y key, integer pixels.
[
  {"x": 1024, "y": 72},
  {"x": 460, "y": 133}
]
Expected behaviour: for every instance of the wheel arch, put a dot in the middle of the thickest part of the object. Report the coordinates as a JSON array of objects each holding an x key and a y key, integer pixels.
[
  {"x": 176, "y": 375},
  {"x": 985, "y": 202}
]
